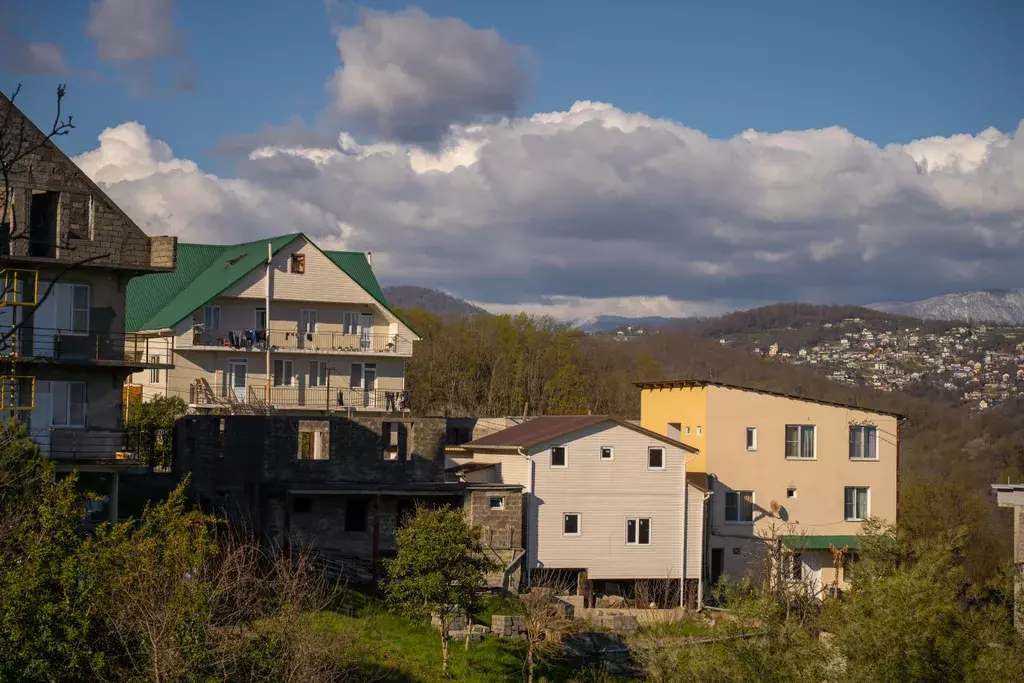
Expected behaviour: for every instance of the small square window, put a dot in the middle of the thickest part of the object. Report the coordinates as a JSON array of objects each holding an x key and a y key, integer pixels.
[
  {"x": 298, "y": 264},
  {"x": 607, "y": 453},
  {"x": 496, "y": 503},
  {"x": 559, "y": 457},
  {"x": 571, "y": 524},
  {"x": 751, "y": 438},
  {"x": 790, "y": 493},
  {"x": 655, "y": 458}
]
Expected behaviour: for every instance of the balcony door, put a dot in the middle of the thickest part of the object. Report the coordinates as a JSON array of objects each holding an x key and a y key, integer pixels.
[
  {"x": 370, "y": 385},
  {"x": 366, "y": 331},
  {"x": 238, "y": 371}
]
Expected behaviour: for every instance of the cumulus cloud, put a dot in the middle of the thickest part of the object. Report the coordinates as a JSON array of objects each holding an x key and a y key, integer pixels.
[
  {"x": 584, "y": 308},
  {"x": 407, "y": 76},
  {"x": 167, "y": 195},
  {"x": 598, "y": 210},
  {"x": 138, "y": 35}
]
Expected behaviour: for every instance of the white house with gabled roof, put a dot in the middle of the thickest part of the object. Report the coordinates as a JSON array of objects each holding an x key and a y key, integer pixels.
[{"x": 276, "y": 322}]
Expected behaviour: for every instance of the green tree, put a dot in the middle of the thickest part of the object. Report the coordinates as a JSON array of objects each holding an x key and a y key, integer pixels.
[{"x": 439, "y": 569}]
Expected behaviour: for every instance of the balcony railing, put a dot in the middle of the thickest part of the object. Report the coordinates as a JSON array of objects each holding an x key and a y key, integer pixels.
[
  {"x": 57, "y": 345},
  {"x": 314, "y": 342},
  {"x": 145, "y": 447},
  {"x": 320, "y": 398}
]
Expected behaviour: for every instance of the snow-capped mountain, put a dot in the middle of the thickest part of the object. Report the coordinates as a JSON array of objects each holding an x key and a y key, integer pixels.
[{"x": 1003, "y": 306}]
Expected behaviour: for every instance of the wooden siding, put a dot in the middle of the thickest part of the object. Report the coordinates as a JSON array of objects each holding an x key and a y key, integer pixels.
[
  {"x": 694, "y": 532},
  {"x": 606, "y": 493}
]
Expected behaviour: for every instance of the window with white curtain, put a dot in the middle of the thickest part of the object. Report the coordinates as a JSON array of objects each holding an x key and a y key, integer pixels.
[{"x": 68, "y": 404}]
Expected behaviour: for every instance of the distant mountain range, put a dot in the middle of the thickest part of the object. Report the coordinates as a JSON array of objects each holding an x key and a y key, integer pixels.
[
  {"x": 433, "y": 300},
  {"x": 607, "y": 323},
  {"x": 1001, "y": 306}
]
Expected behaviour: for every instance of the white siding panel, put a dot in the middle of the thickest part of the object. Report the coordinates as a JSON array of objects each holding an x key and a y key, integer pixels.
[
  {"x": 694, "y": 532},
  {"x": 606, "y": 493}
]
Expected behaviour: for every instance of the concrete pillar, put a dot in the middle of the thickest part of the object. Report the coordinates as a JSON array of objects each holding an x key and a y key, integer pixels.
[{"x": 115, "y": 482}]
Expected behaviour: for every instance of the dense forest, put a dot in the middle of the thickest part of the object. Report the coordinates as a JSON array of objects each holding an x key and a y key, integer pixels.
[{"x": 515, "y": 365}]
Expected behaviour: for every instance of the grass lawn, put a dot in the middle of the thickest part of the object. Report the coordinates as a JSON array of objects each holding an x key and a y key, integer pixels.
[{"x": 408, "y": 650}]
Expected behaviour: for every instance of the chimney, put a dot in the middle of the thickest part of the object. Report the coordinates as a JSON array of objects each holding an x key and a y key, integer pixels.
[{"x": 369, "y": 258}]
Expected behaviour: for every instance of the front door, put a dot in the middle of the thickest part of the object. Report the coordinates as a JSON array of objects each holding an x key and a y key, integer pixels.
[
  {"x": 366, "y": 331},
  {"x": 370, "y": 385},
  {"x": 812, "y": 571},
  {"x": 237, "y": 378}
]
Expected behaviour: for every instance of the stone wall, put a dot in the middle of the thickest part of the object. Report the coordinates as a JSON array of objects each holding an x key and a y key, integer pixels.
[{"x": 89, "y": 224}]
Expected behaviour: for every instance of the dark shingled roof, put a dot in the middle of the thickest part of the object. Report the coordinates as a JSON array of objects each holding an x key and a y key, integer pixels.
[
  {"x": 681, "y": 383},
  {"x": 542, "y": 429}
]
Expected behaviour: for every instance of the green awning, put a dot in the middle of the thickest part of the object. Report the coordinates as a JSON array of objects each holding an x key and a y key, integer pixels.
[{"x": 819, "y": 542}]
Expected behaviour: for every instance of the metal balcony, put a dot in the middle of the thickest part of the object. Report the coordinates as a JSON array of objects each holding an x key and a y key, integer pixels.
[
  {"x": 48, "y": 345},
  {"x": 317, "y": 398},
  {"x": 308, "y": 342}
]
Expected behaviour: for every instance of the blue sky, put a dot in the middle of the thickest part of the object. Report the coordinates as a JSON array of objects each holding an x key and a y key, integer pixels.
[{"x": 197, "y": 75}]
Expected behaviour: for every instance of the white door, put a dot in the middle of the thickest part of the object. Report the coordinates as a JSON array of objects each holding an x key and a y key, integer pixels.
[
  {"x": 237, "y": 378},
  {"x": 366, "y": 331},
  {"x": 42, "y": 417},
  {"x": 370, "y": 384},
  {"x": 812, "y": 571}
]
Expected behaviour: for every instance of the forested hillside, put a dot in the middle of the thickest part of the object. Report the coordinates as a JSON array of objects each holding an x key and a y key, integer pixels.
[{"x": 502, "y": 365}]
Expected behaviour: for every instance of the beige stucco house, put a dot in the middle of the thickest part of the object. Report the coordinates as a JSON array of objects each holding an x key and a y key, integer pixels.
[
  {"x": 276, "y": 322},
  {"x": 604, "y": 496},
  {"x": 803, "y": 473}
]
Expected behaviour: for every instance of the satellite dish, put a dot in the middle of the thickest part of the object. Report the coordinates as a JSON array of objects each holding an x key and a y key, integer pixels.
[{"x": 774, "y": 507}]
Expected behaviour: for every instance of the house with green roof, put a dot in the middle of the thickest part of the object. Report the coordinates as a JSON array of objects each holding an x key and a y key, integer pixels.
[{"x": 275, "y": 323}]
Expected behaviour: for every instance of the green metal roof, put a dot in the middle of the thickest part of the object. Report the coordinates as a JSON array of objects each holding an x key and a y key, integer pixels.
[
  {"x": 204, "y": 271},
  {"x": 819, "y": 542}
]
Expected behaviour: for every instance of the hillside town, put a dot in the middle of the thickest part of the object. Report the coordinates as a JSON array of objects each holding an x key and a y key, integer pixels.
[{"x": 979, "y": 365}]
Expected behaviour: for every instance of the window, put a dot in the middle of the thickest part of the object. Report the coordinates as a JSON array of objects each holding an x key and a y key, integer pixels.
[
  {"x": 314, "y": 440},
  {"x": 394, "y": 440},
  {"x": 571, "y": 524},
  {"x": 68, "y": 401},
  {"x": 687, "y": 430},
  {"x": 800, "y": 442},
  {"x": 211, "y": 318},
  {"x": 607, "y": 453},
  {"x": 260, "y": 319},
  {"x": 863, "y": 443},
  {"x": 751, "y": 438},
  {"x": 282, "y": 373},
  {"x": 849, "y": 559},
  {"x": 700, "y": 430},
  {"x": 496, "y": 503},
  {"x": 302, "y": 504},
  {"x": 42, "y": 223},
  {"x": 307, "y": 322},
  {"x": 790, "y": 493},
  {"x": 307, "y": 445},
  {"x": 638, "y": 531},
  {"x": 298, "y": 264},
  {"x": 356, "y": 513},
  {"x": 154, "y": 373},
  {"x": 559, "y": 457},
  {"x": 655, "y": 458},
  {"x": 317, "y": 373},
  {"x": 72, "y": 308},
  {"x": 739, "y": 507},
  {"x": 857, "y": 503},
  {"x": 350, "y": 323},
  {"x": 796, "y": 566}
]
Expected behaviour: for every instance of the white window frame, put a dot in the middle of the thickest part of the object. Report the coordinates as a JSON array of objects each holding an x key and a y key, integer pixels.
[
  {"x": 551, "y": 460},
  {"x": 346, "y": 318},
  {"x": 700, "y": 430},
  {"x": 499, "y": 506},
  {"x": 751, "y": 438},
  {"x": 310, "y": 316},
  {"x": 650, "y": 531},
  {"x": 579, "y": 524},
  {"x": 57, "y": 387},
  {"x": 664, "y": 456},
  {"x": 739, "y": 500},
  {"x": 873, "y": 430},
  {"x": 846, "y": 491},
  {"x": 64, "y": 307},
  {"x": 285, "y": 363},
  {"x": 611, "y": 453},
  {"x": 799, "y": 441},
  {"x": 793, "y": 489},
  {"x": 207, "y": 317},
  {"x": 320, "y": 374},
  {"x": 687, "y": 430}
]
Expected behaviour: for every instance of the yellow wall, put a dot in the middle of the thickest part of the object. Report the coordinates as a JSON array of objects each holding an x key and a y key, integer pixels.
[{"x": 685, "y": 405}]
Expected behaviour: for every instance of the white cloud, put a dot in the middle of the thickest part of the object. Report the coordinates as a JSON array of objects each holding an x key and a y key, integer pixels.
[
  {"x": 599, "y": 210},
  {"x": 407, "y": 76},
  {"x": 137, "y": 35},
  {"x": 583, "y": 308}
]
